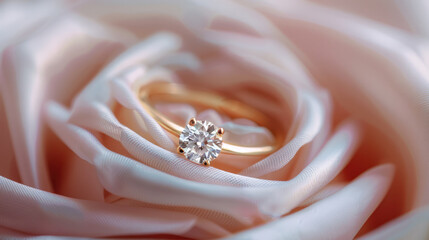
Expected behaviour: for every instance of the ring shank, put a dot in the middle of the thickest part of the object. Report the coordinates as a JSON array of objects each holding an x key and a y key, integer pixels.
[{"x": 171, "y": 92}]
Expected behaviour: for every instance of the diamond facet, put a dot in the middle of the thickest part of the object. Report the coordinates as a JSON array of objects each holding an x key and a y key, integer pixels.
[{"x": 201, "y": 142}]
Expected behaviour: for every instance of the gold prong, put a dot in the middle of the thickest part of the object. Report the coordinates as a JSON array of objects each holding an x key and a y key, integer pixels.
[
  {"x": 180, "y": 150},
  {"x": 206, "y": 163},
  {"x": 220, "y": 131},
  {"x": 192, "y": 121}
]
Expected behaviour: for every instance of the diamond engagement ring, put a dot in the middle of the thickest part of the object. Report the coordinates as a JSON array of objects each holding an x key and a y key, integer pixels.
[{"x": 201, "y": 141}]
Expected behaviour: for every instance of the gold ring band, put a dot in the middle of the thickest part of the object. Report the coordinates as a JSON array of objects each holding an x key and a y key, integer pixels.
[{"x": 171, "y": 92}]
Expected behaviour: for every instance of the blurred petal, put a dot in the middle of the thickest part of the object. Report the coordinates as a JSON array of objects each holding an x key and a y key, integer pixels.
[
  {"x": 414, "y": 225},
  {"x": 58, "y": 215},
  {"x": 330, "y": 217},
  {"x": 27, "y": 81}
]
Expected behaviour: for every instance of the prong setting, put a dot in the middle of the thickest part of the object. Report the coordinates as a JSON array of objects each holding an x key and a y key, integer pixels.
[
  {"x": 192, "y": 121},
  {"x": 201, "y": 141},
  {"x": 220, "y": 132},
  {"x": 180, "y": 150}
]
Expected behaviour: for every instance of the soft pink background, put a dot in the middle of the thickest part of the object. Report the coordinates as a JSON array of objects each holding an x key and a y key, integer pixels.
[{"x": 347, "y": 82}]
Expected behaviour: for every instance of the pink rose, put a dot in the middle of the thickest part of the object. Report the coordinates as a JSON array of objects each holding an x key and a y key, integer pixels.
[{"x": 348, "y": 82}]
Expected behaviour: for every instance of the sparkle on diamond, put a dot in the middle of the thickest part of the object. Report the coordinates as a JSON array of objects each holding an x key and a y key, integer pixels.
[{"x": 200, "y": 142}]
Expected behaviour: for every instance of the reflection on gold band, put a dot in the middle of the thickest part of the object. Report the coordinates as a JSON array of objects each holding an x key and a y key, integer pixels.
[{"x": 171, "y": 92}]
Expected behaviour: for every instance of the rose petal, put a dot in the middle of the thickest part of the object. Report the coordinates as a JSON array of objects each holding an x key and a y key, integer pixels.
[{"x": 330, "y": 217}]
